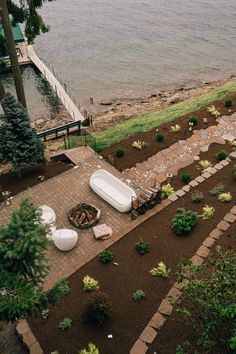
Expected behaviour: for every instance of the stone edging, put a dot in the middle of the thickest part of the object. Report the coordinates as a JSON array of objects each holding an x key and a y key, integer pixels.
[
  {"x": 28, "y": 338},
  {"x": 165, "y": 309}
]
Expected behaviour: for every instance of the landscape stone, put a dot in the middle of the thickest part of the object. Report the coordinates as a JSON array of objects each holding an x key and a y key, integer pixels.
[
  {"x": 203, "y": 251},
  {"x": 180, "y": 193},
  {"x": 216, "y": 233},
  {"x": 193, "y": 183},
  {"x": 36, "y": 349},
  {"x": 206, "y": 175},
  {"x": 139, "y": 348},
  {"x": 209, "y": 242},
  {"x": 196, "y": 158},
  {"x": 173, "y": 197},
  {"x": 199, "y": 179},
  {"x": 165, "y": 307},
  {"x": 182, "y": 284},
  {"x": 28, "y": 338},
  {"x": 174, "y": 294},
  {"x": 197, "y": 260},
  {"x": 148, "y": 335},
  {"x": 218, "y": 166},
  {"x": 233, "y": 210},
  {"x": 224, "y": 162},
  {"x": 233, "y": 155},
  {"x": 212, "y": 170},
  {"x": 230, "y": 218},
  {"x": 223, "y": 225},
  {"x": 157, "y": 320},
  {"x": 22, "y": 327},
  {"x": 186, "y": 188}
]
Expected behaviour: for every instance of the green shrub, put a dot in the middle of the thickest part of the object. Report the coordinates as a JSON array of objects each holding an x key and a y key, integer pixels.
[
  {"x": 221, "y": 155},
  {"x": 186, "y": 178},
  {"x": 65, "y": 324},
  {"x": 120, "y": 152},
  {"x": 160, "y": 270},
  {"x": 184, "y": 221},
  {"x": 197, "y": 197},
  {"x": 204, "y": 164},
  {"x": 139, "y": 295},
  {"x": 228, "y": 103},
  {"x": 218, "y": 189},
  {"x": 160, "y": 137},
  {"x": 167, "y": 190},
  {"x": 92, "y": 349},
  {"x": 98, "y": 308},
  {"x": 193, "y": 120},
  {"x": 90, "y": 284},
  {"x": 142, "y": 247},
  {"x": 105, "y": 256},
  {"x": 61, "y": 288}
]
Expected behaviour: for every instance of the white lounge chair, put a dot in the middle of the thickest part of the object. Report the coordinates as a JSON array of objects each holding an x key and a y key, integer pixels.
[
  {"x": 112, "y": 190},
  {"x": 48, "y": 217},
  {"x": 65, "y": 239}
]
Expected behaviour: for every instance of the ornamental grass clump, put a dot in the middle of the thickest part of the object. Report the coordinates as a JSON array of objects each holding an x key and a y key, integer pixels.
[
  {"x": 204, "y": 164},
  {"x": 225, "y": 197},
  {"x": 197, "y": 197},
  {"x": 90, "y": 284},
  {"x": 207, "y": 212},
  {"x": 184, "y": 221},
  {"x": 218, "y": 189},
  {"x": 160, "y": 271},
  {"x": 221, "y": 155},
  {"x": 167, "y": 190}
]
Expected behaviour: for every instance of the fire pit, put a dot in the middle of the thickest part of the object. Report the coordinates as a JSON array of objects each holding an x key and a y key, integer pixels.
[{"x": 84, "y": 215}]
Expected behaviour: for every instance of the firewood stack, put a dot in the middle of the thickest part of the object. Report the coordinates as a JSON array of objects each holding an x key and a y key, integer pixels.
[{"x": 84, "y": 215}]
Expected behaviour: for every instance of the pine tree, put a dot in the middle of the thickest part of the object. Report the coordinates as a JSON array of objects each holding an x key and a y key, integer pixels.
[
  {"x": 24, "y": 266},
  {"x": 18, "y": 141}
]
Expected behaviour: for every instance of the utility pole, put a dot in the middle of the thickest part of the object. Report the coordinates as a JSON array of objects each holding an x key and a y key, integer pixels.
[{"x": 12, "y": 53}]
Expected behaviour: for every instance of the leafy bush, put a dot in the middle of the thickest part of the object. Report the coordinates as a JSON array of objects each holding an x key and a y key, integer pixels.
[
  {"x": 193, "y": 120},
  {"x": 167, "y": 190},
  {"x": 175, "y": 128},
  {"x": 204, "y": 164},
  {"x": 160, "y": 137},
  {"x": 92, "y": 349},
  {"x": 142, "y": 247},
  {"x": 218, "y": 189},
  {"x": 105, "y": 256},
  {"x": 225, "y": 197},
  {"x": 208, "y": 304},
  {"x": 138, "y": 295},
  {"x": 160, "y": 270},
  {"x": 120, "y": 152},
  {"x": 221, "y": 155},
  {"x": 139, "y": 144},
  {"x": 184, "y": 221},
  {"x": 90, "y": 284},
  {"x": 98, "y": 308},
  {"x": 65, "y": 324},
  {"x": 213, "y": 111},
  {"x": 61, "y": 288},
  {"x": 207, "y": 212},
  {"x": 228, "y": 103},
  {"x": 197, "y": 197},
  {"x": 186, "y": 178}
]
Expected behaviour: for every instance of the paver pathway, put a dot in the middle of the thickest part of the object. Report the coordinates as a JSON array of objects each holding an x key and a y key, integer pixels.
[{"x": 181, "y": 154}]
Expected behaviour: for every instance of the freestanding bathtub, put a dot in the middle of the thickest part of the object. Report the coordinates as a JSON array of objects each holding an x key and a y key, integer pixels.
[{"x": 112, "y": 190}]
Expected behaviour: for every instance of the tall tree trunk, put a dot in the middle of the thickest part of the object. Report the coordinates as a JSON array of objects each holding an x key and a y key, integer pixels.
[
  {"x": 2, "y": 91},
  {"x": 12, "y": 53}
]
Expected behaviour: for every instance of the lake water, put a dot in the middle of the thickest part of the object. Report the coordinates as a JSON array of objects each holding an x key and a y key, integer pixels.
[{"x": 107, "y": 48}]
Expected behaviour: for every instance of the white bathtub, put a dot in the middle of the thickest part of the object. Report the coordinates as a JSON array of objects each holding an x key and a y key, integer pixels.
[{"x": 112, "y": 190}]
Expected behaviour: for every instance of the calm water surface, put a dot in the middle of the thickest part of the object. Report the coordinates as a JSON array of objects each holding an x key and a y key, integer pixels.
[{"x": 106, "y": 48}]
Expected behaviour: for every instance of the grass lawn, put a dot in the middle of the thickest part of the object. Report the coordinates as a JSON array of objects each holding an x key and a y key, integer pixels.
[{"x": 150, "y": 120}]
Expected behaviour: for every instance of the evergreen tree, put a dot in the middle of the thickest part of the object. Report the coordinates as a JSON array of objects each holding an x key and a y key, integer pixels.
[
  {"x": 18, "y": 141},
  {"x": 23, "y": 265}
]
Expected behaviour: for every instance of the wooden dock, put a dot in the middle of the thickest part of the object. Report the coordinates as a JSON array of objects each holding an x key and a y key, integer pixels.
[{"x": 65, "y": 98}]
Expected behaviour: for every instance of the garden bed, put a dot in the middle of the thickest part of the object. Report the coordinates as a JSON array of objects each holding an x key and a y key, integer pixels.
[
  {"x": 120, "y": 281},
  {"x": 176, "y": 331},
  {"x": 30, "y": 176},
  {"x": 133, "y": 156}
]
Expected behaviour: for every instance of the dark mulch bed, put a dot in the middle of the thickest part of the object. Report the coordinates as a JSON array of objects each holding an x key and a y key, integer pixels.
[
  {"x": 193, "y": 169},
  {"x": 133, "y": 156},
  {"x": 175, "y": 331},
  {"x": 120, "y": 282},
  {"x": 11, "y": 182}
]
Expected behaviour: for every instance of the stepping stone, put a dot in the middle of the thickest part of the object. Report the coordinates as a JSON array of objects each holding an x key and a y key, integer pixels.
[
  {"x": 165, "y": 307},
  {"x": 148, "y": 335},
  {"x": 173, "y": 197},
  {"x": 218, "y": 166},
  {"x": 212, "y": 170},
  {"x": 224, "y": 163},
  {"x": 180, "y": 193},
  {"x": 203, "y": 251},
  {"x": 209, "y": 242},
  {"x": 233, "y": 155},
  {"x": 186, "y": 188},
  {"x": 174, "y": 294},
  {"x": 204, "y": 148},
  {"x": 206, "y": 175},
  {"x": 139, "y": 348},
  {"x": 223, "y": 225},
  {"x": 233, "y": 210},
  {"x": 197, "y": 260},
  {"x": 196, "y": 158},
  {"x": 193, "y": 183},
  {"x": 230, "y": 218},
  {"x": 157, "y": 320},
  {"x": 36, "y": 349},
  {"x": 216, "y": 233},
  {"x": 199, "y": 179}
]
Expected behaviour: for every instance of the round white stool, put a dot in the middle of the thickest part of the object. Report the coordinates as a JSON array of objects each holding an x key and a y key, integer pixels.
[
  {"x": 65, "y": 239},
  {"x": 48, "y": 215}
]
